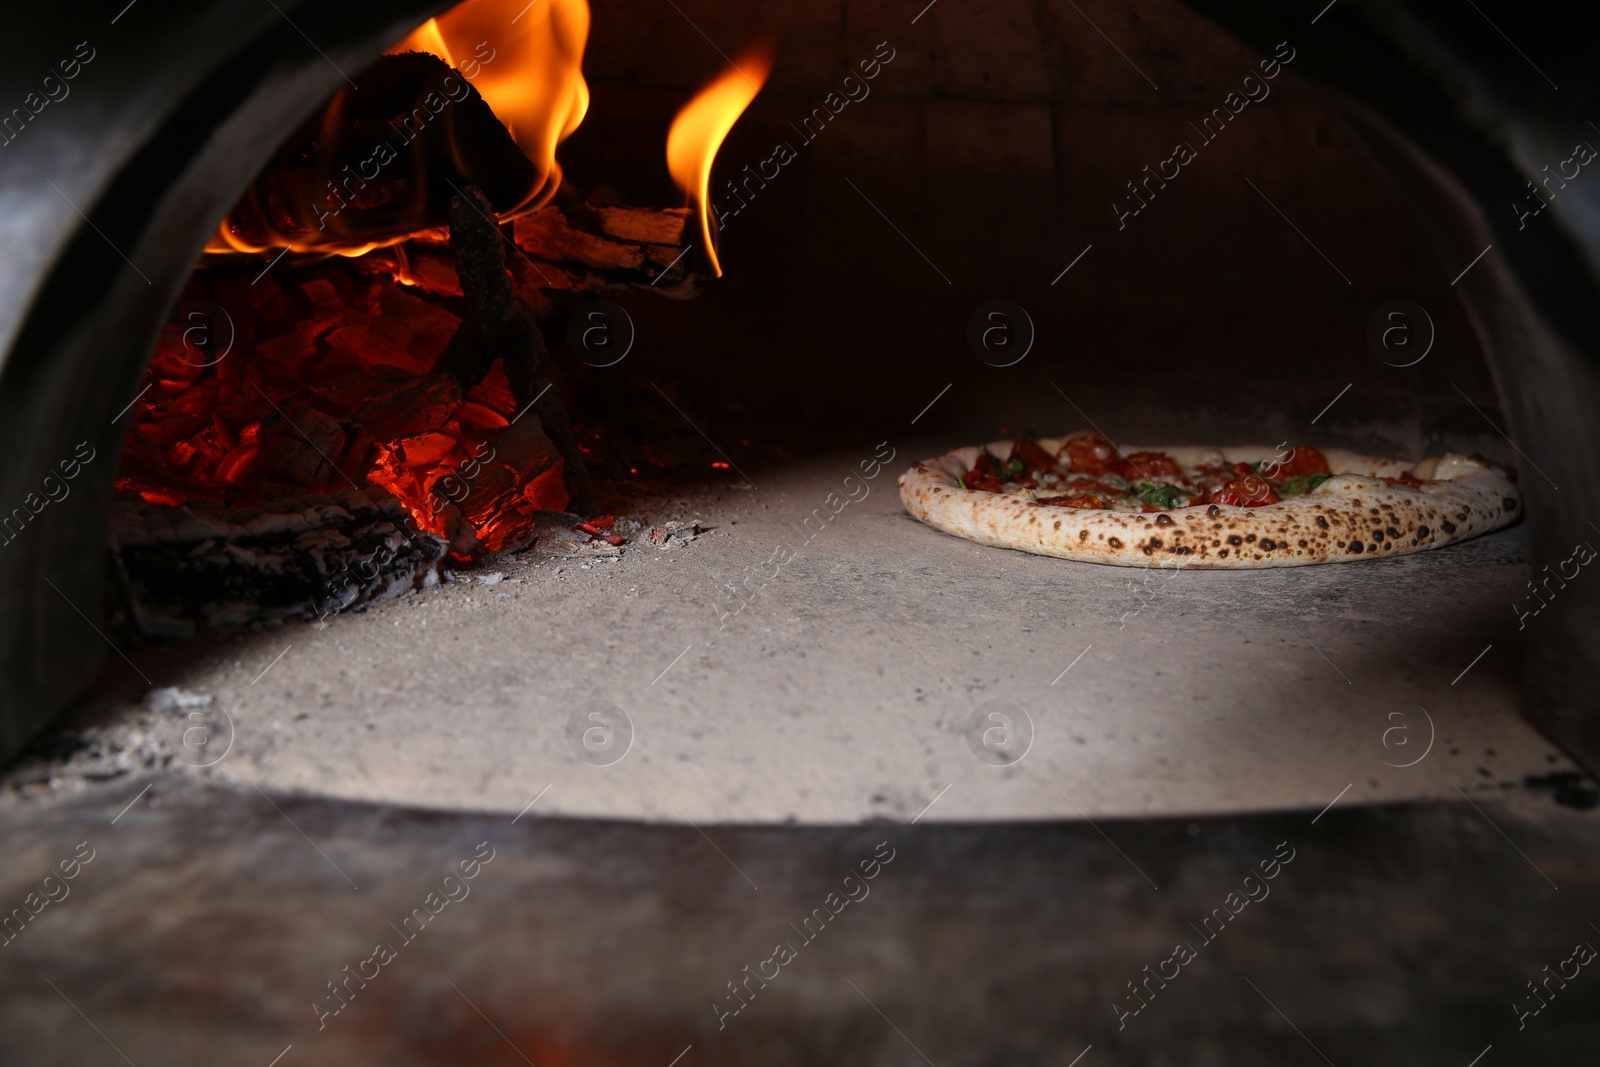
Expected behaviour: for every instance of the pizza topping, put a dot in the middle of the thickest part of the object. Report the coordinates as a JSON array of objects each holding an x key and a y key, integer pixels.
[
  {"x": 1031, "y": 456},
  {"x": 1301, "y": 486},
  {"x": 1087, "y": 471},
  {"x": 985, "y": 475},
  {"x": 1115, "y": 481},
  {"x": 1245, "y": 491},
  {"x": 1153, "y": 464},
  {"x": 1164, "y": 497},
  {"x": 1012, "y": 468},
  {"x": 1302, "y": 460},
  {"x": 1089, "y": 452},
  {"x": 1100, "y": 488},
  {"x": 1075, "y": 502}
]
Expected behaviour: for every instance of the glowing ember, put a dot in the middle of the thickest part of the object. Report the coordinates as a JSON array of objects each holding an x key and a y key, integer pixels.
[
  {"x": 700, "y": 128},
  {"x": 312, "y": 387}
]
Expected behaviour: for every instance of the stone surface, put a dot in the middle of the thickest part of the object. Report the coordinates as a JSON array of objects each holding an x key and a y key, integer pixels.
[{"x": 807, "y": 659}]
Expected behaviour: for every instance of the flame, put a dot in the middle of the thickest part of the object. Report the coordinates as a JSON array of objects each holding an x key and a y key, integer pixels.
[
  {"x": 699, "y": 129},
  {"x": 525, "y": 60},
  {"x": 428, "y": 37},
  {"x": 534, "y": 84}
]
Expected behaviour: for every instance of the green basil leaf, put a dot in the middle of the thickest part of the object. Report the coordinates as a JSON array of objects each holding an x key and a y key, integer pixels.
[
  {"x": 1164, "y": 497},
  {"x": 1303, "y": 485}
]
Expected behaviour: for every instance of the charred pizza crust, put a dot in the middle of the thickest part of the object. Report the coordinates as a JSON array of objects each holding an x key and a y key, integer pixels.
[{"x": 1354, "y": 515}]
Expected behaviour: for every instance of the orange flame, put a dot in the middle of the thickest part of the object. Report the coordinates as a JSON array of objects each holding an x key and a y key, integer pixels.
[
  {"x": 525, "y": 60},
  {"x": 428, "y": 37},
  {"x": 534, "y": 84},
  {"x": 699, "y": 130}
]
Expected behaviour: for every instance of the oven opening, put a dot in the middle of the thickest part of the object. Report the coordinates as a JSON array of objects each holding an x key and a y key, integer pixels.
[{"x": 626, "y": 488}]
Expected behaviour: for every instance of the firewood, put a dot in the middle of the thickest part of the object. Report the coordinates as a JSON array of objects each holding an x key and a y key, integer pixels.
[
  {"x": 380, "y": 164},
  {"x": 382, "y": 160},
  {"x": 204, "y": 570},
  {"x": 568, "y": 246},
  {"x": 563, "y": 246},
  {"x": 500, "y": 325}
]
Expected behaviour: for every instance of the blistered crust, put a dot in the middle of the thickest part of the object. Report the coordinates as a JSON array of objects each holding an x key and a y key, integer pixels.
[{"x": 1354, "y": 515}]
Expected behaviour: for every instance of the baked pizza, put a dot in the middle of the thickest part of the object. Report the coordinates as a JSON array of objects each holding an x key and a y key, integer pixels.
[{"x": 1081, "y": 497}]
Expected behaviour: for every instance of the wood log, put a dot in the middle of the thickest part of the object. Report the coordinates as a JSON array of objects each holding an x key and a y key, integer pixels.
[
  {"x": 565, "y": 247},
  {"x": 500, "y": 325},
  {"x": 582, "y": 247},
  {"x": 382, "y": 160},
  {"x": 204, "y": 570}
]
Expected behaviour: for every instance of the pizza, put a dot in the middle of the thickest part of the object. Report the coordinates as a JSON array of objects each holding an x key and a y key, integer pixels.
[{"x": 1081, "y": 497}]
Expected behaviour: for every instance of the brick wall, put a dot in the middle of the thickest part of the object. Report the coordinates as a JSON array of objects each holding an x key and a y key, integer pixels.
[{"x": 996, "y": 142}]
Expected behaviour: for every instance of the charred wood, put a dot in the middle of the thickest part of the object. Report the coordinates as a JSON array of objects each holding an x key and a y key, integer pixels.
[
  {"x": 563, "y": 247},
  {"x": 195, "y": 571},
  {"x": 382, "y": 160},
  {"x": 500, "y": 325}
]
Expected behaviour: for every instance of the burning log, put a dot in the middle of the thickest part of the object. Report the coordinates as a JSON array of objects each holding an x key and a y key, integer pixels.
[
  {"x": 584, "y": 247},
  {"x": 500, "y": 326},
  {"x": 565, "y": 247},
  {"x": 381, "y": 166},
  {"x": 381, "y": 162}
]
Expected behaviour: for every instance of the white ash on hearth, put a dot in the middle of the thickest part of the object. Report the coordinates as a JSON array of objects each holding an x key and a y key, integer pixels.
[
  {"x": 673, "y": 534},
  {"x": 564, "y": 535}
]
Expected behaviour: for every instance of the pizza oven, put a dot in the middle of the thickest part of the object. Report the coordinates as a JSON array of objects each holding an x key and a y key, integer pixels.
[{"x": 473, "y": 429}]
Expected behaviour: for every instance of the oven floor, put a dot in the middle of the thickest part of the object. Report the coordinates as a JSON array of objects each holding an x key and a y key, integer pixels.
[{"x": 843, "y": 689}]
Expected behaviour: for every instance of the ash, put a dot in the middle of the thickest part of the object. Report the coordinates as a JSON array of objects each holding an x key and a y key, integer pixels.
[{"x": 198, "y": 571}]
